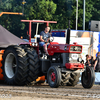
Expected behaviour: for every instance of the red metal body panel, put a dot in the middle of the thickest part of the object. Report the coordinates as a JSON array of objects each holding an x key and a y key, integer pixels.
[
  {"x": 59, "y": 48},
  {"x": 74, "y": 66},
  {"x": 30, "y": 32}
]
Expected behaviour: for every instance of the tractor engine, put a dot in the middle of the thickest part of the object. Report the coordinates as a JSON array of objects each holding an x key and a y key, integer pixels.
[{"x": 68, "y": 56}]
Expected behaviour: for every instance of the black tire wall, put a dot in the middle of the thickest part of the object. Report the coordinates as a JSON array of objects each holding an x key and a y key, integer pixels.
[
  {"x": 34, "y": 67},
  {"x": 74, "y": 79},
  {"x": 21, "y": 72},
  {"x": 88, "y": 77},
  {"x": 27, "y": 65}
]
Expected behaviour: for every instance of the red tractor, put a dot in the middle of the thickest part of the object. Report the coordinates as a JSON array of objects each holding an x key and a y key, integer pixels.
[{"x": 23, "y": 63}]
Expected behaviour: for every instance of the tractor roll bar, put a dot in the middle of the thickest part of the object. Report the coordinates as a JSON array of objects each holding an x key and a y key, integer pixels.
[
  {"x": 39, "y": 21},
  {"x": 36, "y": 21}
]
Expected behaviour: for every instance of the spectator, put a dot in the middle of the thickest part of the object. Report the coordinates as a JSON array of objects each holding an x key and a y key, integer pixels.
[
  {"x": 91, "y": 61},
  {"x": 82, "y": 61},
  {"x": 97, "y": 63},
  {"x": 87, "y": 60}
]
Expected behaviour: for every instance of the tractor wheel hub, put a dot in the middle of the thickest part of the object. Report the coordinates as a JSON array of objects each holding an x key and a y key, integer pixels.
[{"x": 53, "y": 77}]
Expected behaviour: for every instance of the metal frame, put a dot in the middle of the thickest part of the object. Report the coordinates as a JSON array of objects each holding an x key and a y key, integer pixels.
[
  {"x": 36, "y": 21},
  {"x": 12, "y": 13}
]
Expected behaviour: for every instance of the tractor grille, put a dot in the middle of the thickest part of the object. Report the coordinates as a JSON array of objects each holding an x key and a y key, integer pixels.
[
  {"x": 76, "y": 48},
  {"x": 70, "y": 58},
  {"x": 73, "y": 57}
]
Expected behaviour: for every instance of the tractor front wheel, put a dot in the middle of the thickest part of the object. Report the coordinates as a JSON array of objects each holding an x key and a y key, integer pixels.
[
  {"x": 54, "y": 76},
  {"x": 88, "y": 77}
]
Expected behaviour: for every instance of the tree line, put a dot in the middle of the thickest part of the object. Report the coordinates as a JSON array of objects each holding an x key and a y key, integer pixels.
[{"x": 54, "y": 10}]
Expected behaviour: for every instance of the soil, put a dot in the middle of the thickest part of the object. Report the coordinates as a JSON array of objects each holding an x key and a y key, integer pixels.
[{"x": 44, "y": 92}]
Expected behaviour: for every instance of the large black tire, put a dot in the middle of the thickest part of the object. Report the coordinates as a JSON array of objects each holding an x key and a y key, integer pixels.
[
  {"x": 88, "y": 77},
  {"x": 74, "y": 79},
  {"x": 15, "y": 66},
  {"x": 34, "y": 67},
  {"x": 54, "y": 76}
]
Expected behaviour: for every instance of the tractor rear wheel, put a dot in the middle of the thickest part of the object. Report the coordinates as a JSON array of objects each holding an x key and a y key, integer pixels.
[
  {"x": 88, "y": 77},
  {"x": 15, "y": 66},
  {"x": 54, "y": 76},
  {"x": 34, "y": 67},
  {"x": 74, "y": 79}
]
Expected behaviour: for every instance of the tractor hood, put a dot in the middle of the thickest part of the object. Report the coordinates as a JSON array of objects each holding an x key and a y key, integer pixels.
[
  {"x": 64, "y": 48},
  {"x": 7, "y": 38}
]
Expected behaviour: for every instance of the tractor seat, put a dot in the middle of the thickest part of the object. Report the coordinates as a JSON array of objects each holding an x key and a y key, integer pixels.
[
  {"x": 41, "y": 48},
  {"x": 38, "y": 39}
]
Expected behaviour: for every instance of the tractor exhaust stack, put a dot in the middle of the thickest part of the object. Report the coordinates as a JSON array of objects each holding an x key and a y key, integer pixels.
[{"x": 68, "y": 34}]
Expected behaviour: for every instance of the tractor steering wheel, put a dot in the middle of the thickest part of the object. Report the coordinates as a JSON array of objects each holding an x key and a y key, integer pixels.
[{"x": 51, "y": 39}]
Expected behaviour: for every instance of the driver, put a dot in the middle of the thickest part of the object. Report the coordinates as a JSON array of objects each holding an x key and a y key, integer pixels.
[{"x": 45, "y": 38}]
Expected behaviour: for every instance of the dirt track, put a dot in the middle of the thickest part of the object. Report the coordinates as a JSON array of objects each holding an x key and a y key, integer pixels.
[{"x": 44, "y": 92}]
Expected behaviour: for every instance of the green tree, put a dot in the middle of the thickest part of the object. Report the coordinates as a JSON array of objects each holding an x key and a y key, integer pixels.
[
  {"x": 33, "y": 9},
  {"x": 66, "y": 9},
  {"x": 57, "y": 10},
  {"x": 63, "y": 13},
  {"x": 42, "y": 9},
  {"x": 95, "y": 10},
  {"x": 8, "y": 20}
]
